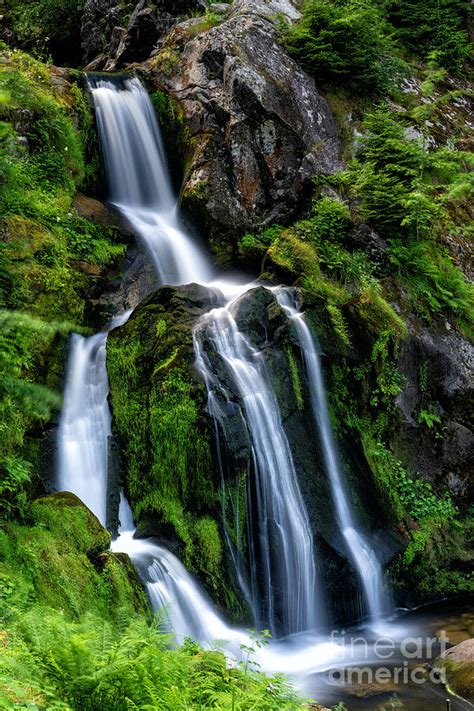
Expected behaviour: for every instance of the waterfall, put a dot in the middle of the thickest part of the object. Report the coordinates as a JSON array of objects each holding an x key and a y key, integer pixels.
[
  {"x": 188, "y": 613},
  {"x": 361, "y": 552},
  {"x": 84, "y": 425},
  {"x": 171, "y": 589},
  {"x": 283, "y": 542},
  {"x": 139, "y": 183},
  {"x": 280, "y": 584}
]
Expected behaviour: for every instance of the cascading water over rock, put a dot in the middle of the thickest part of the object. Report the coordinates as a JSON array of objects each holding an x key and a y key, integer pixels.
[
  {"x": 360, "y": 551},
  {"x": 282, "y": 546},
  {"x": 139, "y": 183},
  {"x": 84, "y": 426}
]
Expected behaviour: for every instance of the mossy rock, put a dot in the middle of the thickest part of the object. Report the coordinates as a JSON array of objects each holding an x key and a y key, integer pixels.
[
  {"x": 458, "y": 665},
  {"x": 179, "y": 142},
  {"x": 61, "y": 559},
  {"x": 158, "y": 405},
  {"x": 68, "y": 519}
]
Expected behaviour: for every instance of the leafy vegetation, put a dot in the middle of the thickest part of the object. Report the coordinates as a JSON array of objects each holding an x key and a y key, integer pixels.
[
  {"x": 44, "y": 131},
  {"x": 408, "y": 194},
  {"x": 50, "y": 662},
  {"x": 344, "y": 42},
  {"x": 76, "y": 633},
  {"x": 436, "y": 27},
  {"x": 362, "y": 44},
  {"x": 47, "y": 27},
  {"x": 71, "y": 636}
]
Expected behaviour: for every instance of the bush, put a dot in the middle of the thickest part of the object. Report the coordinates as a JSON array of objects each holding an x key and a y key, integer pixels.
[
  {"x": 408, "y": 194},
  {"x": 439, "y": 26},
  {"x": 344, "y": 41},
  {"x": 53, "y": 663},
  {"x": 330, "y": 220}
]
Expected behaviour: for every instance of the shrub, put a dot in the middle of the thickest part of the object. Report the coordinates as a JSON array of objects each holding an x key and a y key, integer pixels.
[
  {"x": 45, "y": 26},
  {"x": 330, "y": 220},
  {"x": 344, "y": 41},
  {"x": 427, "y": 26},
  {"x": 408, "y": 194},
  {"x": 53, "y": 663}
]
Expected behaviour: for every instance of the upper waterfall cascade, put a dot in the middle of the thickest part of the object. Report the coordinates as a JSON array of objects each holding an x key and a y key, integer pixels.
[
  {"x": 139, "y": 182},
  {"x": 282, "y": 547}
]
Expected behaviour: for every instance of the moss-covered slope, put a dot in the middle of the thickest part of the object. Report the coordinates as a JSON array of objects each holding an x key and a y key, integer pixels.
[{"x": 158, "y": 407}]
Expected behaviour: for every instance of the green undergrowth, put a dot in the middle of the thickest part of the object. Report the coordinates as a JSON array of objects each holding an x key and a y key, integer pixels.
[
  {"x": 47, "y": 27},
  {"x": 437, "y": 552},
  {"x": 367, "y": 47},
  {"x": 50, "y": 662},
  {"x": 76, "y": 632},
  {"x": 45, "y": 131},
  {"x": 49, "y": 256}
]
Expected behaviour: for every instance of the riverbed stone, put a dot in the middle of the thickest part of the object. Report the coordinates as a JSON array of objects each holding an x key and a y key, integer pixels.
[{"x": 458, "y": 663}]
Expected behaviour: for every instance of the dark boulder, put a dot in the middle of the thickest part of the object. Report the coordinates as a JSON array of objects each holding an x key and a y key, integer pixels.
[
  {"x": 259, "y": 130},
  {"x": 115, "y": 33},
  {"x": 434, "y": 436}
]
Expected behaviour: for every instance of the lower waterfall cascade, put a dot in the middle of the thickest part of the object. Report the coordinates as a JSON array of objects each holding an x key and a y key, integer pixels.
[
  {"x": 140, "y": 190},
  {"x": 362, "y": 553},
  {"x": 280, "y": 509}
]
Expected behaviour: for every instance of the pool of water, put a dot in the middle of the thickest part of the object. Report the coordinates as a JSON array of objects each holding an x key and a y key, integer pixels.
[{"x": 392, "y": 666}]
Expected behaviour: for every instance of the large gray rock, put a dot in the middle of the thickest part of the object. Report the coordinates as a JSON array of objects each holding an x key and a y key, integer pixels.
[
  {"x": 259, "y": 129},
  {"x": 438, "y": 370}
]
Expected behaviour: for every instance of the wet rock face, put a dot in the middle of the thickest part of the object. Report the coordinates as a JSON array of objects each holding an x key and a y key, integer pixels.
[
  {"x": 114, "y": 33},
  {"x": 259, "y": 128},
  {"x": 438, "y": 371},
  {"x": 100, "y": 21}
]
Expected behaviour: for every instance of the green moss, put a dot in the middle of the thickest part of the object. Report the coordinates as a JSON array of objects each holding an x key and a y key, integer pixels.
[
  {"x": 157, "y": 406},
  {"x": 235, "y": 510},
  {"x": 460, "y": 677},
  {"x": 49, "y": 256},
  {"x": 208, "y": 555},
  {"x": 61, "y": 560},
  {"x": 194, "y": 200},
  {"x": 176, "y": 134},
  {"x": 168, "y": 61},
  {"x": 295, "y": 378}
]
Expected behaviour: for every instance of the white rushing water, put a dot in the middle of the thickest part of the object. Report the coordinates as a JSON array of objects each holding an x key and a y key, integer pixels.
[
  {"x": 361, "y": 552},
  {"x": 84, "y": 425},
  {"x": 140, "y": 189},
  {"x": 189, "y": 613},
  {"x": 139, "y": 183},
  {"x": 282, "y": 545}
]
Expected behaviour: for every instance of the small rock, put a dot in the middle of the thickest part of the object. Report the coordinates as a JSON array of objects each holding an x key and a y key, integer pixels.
[{"x": 219, "y": 7}]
